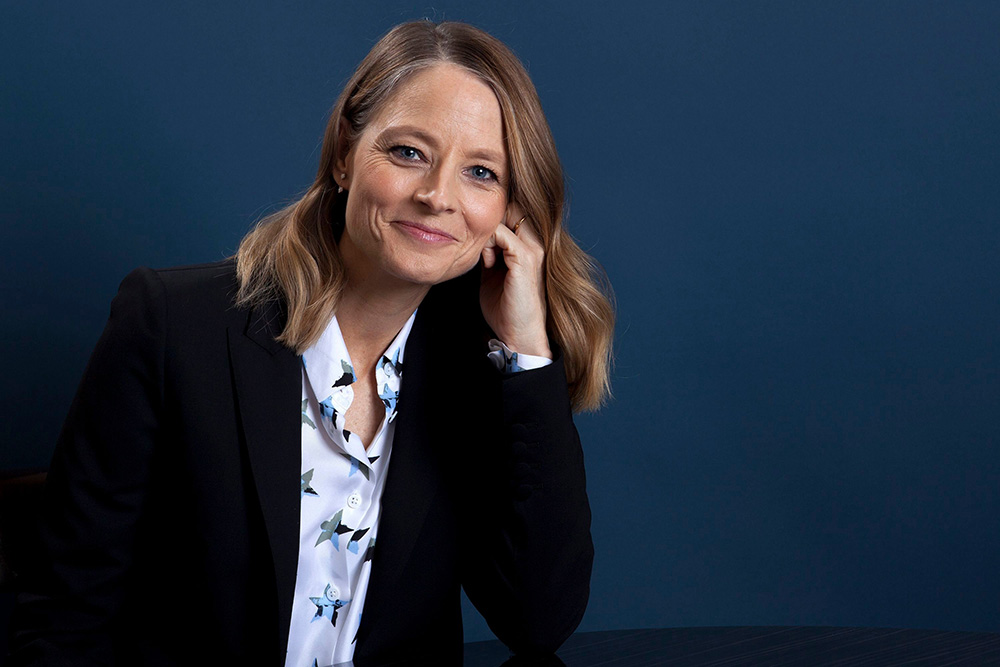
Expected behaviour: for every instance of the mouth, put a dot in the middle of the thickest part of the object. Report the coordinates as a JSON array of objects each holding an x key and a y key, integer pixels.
[{"x": 424, "y": 233}]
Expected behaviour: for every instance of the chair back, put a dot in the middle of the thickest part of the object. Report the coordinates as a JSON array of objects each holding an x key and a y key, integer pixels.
[{"x": 20, "y": 509}]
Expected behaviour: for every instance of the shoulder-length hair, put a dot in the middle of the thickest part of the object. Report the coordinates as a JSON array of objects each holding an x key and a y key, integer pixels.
[{"x": 293, "y": 254}]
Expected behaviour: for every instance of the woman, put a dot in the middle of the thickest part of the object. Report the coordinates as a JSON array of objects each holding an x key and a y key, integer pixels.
[{"x": 347, "y": 348}]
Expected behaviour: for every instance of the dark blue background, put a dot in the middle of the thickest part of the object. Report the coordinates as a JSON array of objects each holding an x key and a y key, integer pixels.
[{"x": 797, "y": 203}]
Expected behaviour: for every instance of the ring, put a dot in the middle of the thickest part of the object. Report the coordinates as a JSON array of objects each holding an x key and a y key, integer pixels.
[{"x": 518, "y": 225}]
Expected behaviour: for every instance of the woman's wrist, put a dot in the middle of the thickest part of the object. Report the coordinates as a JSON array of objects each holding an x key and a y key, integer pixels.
[
  {"x": 536, "y": 350},
  {"x": 537, "y": 346}
]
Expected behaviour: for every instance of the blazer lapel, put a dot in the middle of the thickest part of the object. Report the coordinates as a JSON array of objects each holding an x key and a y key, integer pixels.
[
  {"x": 267, "y": 376},
  {"x": 410, "y": 487}
]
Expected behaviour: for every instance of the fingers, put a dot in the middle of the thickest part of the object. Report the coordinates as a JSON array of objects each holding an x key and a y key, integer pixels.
[
  {"x": 523, "y": 247},
  {"x": 520, "y": 247},
  {"x": 514, "y": 214},
  {"x": 489, "y": 254}
]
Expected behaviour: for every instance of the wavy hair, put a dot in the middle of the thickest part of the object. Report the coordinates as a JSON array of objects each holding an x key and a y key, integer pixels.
[{"x": 292, "y": 255}]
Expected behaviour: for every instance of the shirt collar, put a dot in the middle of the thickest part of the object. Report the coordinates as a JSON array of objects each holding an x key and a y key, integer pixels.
[{"x": 331, "y": 373}]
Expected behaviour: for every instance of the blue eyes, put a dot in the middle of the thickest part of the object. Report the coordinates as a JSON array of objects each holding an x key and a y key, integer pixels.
[
  {"x": 407, "y": 152},
  {"x": 482, "y": 174},
  {"x": 411, "y": 154}
]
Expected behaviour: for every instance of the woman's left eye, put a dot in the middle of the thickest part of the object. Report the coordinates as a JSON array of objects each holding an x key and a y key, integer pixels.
[{"x": 481, "y": 173}]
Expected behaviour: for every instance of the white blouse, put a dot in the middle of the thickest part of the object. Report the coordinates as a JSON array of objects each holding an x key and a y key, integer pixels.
[{"x": 342, "y": 485}]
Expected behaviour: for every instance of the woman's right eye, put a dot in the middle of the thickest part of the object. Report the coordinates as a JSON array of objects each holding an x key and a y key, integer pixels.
[{"x": 406, "y": 152}]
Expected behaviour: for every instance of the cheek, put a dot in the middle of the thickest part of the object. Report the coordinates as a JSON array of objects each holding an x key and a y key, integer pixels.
[
  {"x": 378, "y": 187},
  {"x": 483, "y": 217},
  {"x": 389, "y": 185}
]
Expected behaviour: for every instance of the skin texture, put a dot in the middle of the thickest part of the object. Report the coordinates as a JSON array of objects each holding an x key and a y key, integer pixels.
[
  {"x": 427, "y": 198},
  {"x": 427, "y": 159}
]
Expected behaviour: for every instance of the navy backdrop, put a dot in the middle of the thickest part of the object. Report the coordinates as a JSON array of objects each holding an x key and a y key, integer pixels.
[{"x": 797, "y": 204}]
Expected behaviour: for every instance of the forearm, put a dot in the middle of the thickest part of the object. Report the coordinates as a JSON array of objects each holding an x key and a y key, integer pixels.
[{"x": 534, "y": 542}]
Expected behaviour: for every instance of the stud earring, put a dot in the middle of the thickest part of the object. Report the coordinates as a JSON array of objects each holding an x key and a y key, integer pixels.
[{"x": 340, "y": 188}]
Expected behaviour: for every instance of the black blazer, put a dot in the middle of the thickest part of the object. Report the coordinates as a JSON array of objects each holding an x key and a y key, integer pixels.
[{"x": 172, "y": 504}]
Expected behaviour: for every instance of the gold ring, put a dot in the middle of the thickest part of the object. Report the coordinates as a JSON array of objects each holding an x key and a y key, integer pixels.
[{"x": 518, "y": 225}]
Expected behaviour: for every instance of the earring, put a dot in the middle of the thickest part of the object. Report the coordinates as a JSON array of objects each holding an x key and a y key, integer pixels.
[{"x": 340, "y": 188}]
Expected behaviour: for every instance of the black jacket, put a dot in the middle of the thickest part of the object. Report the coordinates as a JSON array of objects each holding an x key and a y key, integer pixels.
[{"x": 172, "y": 503}]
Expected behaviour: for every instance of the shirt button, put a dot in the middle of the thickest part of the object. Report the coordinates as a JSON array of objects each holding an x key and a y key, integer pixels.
[
  {"x": 354, "y": 500},
  {"x": 343, "y": 398}
]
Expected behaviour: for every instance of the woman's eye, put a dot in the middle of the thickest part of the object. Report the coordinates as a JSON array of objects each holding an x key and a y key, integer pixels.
[
  {"x": 481, "y": 173},
  {"x": 406, "y": 152}
]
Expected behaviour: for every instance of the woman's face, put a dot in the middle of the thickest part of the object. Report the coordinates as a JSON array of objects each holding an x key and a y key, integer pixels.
[{"x": 426, "y": 181}]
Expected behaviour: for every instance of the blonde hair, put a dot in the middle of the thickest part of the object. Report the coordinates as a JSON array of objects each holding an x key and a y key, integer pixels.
[{"x": 292, "y": 255}]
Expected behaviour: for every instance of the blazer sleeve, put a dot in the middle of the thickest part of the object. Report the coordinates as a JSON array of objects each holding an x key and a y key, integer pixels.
[
  {"x": 531, "y": 556},
  {"x": 96, "y": 488}
]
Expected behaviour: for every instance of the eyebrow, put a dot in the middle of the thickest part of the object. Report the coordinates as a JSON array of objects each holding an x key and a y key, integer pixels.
[{"x": 476, "y": 153}]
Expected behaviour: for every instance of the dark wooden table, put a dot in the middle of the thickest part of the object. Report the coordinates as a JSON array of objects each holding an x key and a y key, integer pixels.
[{"x": 732, "y": 646}]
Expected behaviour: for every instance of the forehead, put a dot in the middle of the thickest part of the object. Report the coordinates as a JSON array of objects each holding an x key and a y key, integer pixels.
[{"x": 447, "y": 100}]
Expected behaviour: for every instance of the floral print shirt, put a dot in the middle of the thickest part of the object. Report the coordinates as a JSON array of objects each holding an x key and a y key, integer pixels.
[{"x": 341, "y": 487}]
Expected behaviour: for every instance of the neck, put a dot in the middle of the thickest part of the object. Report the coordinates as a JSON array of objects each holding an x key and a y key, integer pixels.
[{"x": 371, "y": 314}]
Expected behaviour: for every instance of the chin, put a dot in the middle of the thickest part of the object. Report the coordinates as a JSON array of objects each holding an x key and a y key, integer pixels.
[{"x": 429, "y": 274}]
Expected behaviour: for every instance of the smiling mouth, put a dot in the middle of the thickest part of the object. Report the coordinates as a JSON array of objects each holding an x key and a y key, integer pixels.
[{"x": 424, "y": 232}]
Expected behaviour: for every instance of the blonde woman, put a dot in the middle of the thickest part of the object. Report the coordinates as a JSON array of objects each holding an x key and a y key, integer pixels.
[{"x": 301, "y": 455}]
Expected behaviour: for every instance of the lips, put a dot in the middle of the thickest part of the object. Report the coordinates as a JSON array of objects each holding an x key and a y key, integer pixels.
[{"x": 423, "y": 232}]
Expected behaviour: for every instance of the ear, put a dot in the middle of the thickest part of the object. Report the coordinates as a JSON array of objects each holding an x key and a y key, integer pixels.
[{"x": 344, "y": 154}]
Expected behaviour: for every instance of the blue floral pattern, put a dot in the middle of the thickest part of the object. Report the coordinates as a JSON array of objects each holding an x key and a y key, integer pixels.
[
  {"x": 507, "y": 361},
  {"x": 306, "y": 478},
  {"x": 388, "y": 373},
  {"x": 327, "y": 605}
]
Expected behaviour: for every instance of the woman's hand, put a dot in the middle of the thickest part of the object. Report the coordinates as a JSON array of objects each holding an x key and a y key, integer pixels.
[{"x": 512, "y": 294}]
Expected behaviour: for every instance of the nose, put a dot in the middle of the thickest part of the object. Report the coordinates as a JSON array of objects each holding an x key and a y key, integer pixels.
[{"x": 436, "y": 191}]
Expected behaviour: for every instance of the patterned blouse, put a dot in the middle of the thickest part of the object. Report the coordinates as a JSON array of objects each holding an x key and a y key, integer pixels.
[{"x": 342, "y": 484}]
